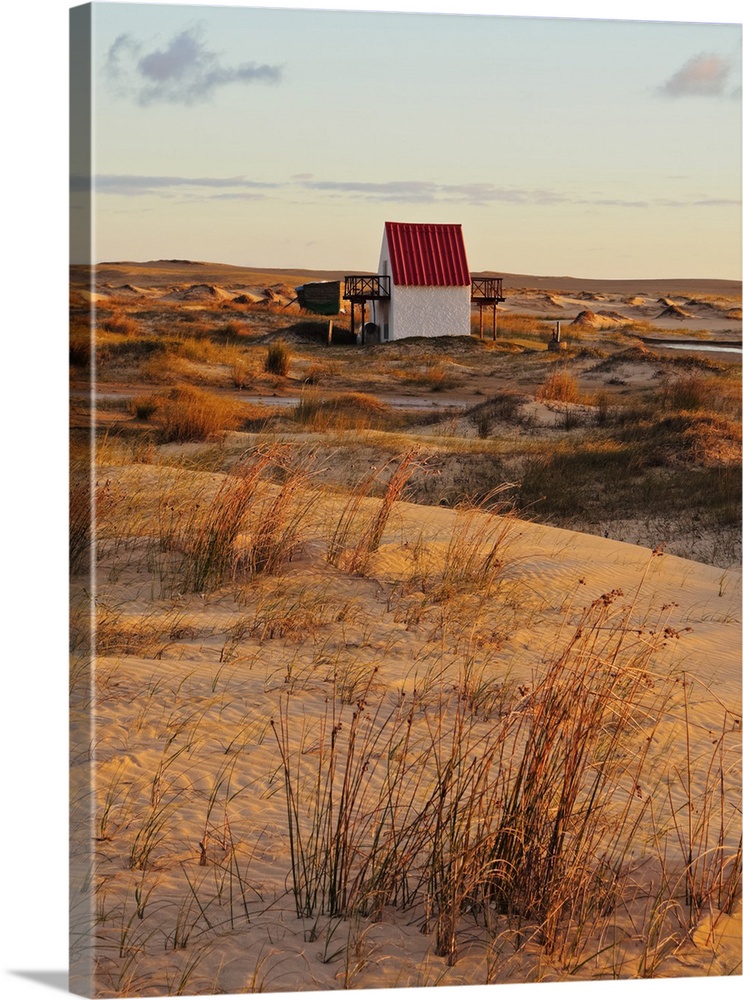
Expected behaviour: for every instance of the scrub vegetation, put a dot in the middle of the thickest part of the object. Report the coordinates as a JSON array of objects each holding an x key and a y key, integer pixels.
[{"x": 358, "y": 722}]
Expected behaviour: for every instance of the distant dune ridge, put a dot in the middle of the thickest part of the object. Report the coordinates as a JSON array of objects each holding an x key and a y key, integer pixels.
[
  {"x": 216, "y": 273},
  {"x": 692, "y": 301}
]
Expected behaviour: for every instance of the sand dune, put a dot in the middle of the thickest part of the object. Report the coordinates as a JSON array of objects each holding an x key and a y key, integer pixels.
[
  {"x": 334, "y": 739},
  {"x": 602, "y": 320},
  {"x": 675, "y": 312},
  {"x": 197, "y": 293},
  {"x": 193, "y": 688}
]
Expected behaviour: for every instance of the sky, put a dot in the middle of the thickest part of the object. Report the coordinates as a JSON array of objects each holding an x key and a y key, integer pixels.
[{"x": 286, "y": 138}]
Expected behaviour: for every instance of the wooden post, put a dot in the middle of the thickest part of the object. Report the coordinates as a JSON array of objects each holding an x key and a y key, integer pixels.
[
  {"x": 353, "y": 332},
  {"x": 480, "y": 308},
  {"x": 330, "y": 332},
  {"x": 495, "y": 321},
  {"x": 363, "y": 321}
]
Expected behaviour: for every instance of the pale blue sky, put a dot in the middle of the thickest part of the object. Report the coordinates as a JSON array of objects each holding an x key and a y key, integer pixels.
[{"x": 285, "y": 138}]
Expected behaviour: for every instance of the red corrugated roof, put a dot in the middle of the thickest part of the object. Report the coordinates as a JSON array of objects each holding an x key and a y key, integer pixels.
[{"x": 423, "y": 254}]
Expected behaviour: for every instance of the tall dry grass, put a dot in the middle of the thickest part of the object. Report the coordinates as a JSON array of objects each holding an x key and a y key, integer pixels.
[
  {"x": 501, "y": 408},
  {"x": 347, "y": 411},
  {"x": 90, "y": 505},
  {"x": 560, "y": 386},
  {"x": 512, "y": 325},
  {"x": 479, "y": 811},
  {"x": 80, "y": 518},
  {"x": 186, "y": 413},
  {"x": 251, "y": 525},
  {"x": 694, "y": 391},
  {"x": 474, "y": 553},
  {"x": 529, "y": 822},
  {"x": 358, "y": 532},
  {"x": 117, "y": 321},
  {"x": 278, "y": 359},
  {"x": 435, "y": 375}
]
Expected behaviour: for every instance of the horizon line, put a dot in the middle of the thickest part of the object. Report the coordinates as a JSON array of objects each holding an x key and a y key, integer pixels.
[{"x": 303, "y": 269}]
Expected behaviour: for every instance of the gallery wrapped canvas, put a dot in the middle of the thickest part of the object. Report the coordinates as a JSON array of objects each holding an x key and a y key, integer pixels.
[{"x": 405, "y": 500}]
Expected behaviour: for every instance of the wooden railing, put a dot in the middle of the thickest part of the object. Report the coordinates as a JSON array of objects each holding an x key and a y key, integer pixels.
[
  {"x": 377, "y": 286},
  {"x": 487, "y": 289},
  {"x": 366, "y": 286}
]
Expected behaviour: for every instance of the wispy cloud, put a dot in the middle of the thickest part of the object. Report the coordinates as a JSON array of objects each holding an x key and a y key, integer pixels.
[
  {"x": 185, "y": 71},
  {"x": 704, "y": 75},
  {"x": 139, "y": 184},
  {"x": 429, "y": 191},
  {"x": 398, "y": 191}
]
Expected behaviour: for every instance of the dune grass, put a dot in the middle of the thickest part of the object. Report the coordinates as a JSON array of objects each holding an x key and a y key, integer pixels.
[
  {"x": 278, "y": 359},
  {"x": 559, "y": 386},
  {"x": 528, "y": 822},
  {"x": 513, "y": 325},
  {"x": 688, "y": 421},
  {"x": 529, "y": 826},
  {"x": 356, "y": 536},
  {"x": 502, "y": 408},
  {"x": 186, "y": 413},
  {"x": 249, "y": 526},
  {"x": 348, "y": 411},
  {"x": 490, "y": 814}
]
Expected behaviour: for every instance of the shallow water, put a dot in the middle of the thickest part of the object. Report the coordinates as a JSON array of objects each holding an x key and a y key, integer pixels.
[
  {"x": 403, "y": 402},
  {"x": 701, "y": 346}
]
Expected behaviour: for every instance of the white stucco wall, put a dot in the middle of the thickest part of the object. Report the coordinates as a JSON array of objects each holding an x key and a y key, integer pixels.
[
  {"x": 379, "y": 313},
  {"x": 384, "y": 257},
  {"x": 421, "y": 311},
  {"x": 429, "y": 312}
]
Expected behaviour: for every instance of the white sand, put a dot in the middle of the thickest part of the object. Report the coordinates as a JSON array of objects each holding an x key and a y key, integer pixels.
[{"x": 182, "y": 732}]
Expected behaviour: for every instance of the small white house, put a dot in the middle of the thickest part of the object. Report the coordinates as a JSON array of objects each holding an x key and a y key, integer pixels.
[{"x": 429, "y": 282}]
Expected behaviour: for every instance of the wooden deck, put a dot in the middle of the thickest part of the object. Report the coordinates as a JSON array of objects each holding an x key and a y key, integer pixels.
[
  {"x": 488, "y": 291},
  {"x": 362, "y": 287}
]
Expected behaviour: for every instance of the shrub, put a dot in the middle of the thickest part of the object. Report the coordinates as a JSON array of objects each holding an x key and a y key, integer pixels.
[
  {"x": 699, "y": 392},
  {"x": 560, "y": 386},
  {"x": 504, "y": 407},
  {"x": 242, "y": 374},
  {"x": 142, "y": 407},
  {"x": 118, "y": 322},
  {"x": 344, "y": 411},
  {"x": 278, "y": 358},
  {"x": 190, "y": 414},
  {"x": 80, "y": 347}
]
